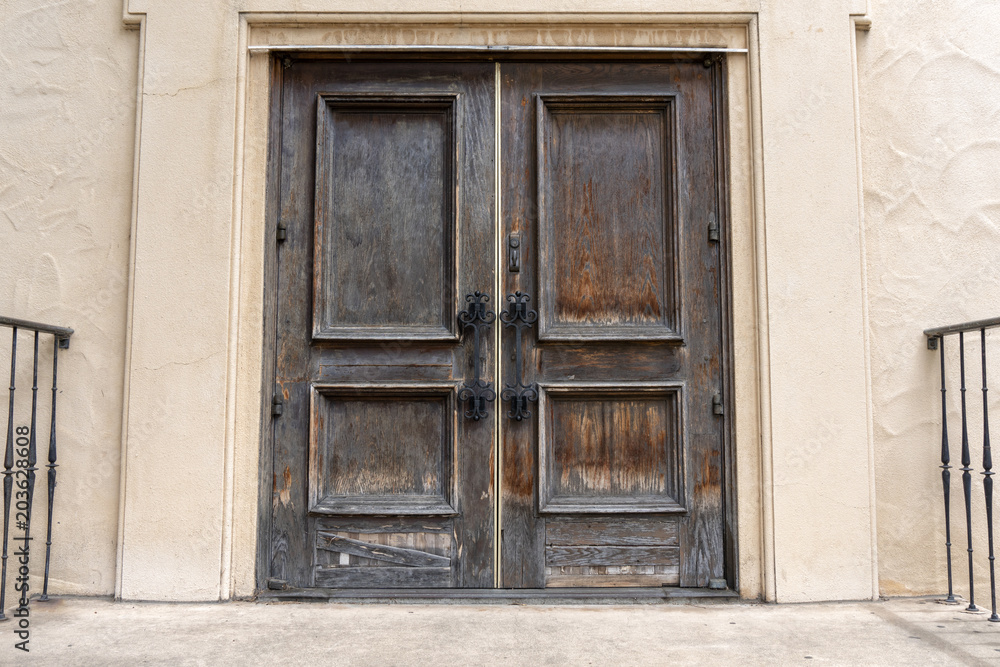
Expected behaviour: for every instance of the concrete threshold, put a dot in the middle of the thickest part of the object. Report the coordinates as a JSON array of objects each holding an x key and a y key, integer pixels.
[{"x": 97, "y": 631}]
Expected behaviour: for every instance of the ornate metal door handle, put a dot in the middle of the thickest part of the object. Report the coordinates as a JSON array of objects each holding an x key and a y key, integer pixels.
[
  {"x": 476, "y": 391},
  {"x": 519, "y": 317}
]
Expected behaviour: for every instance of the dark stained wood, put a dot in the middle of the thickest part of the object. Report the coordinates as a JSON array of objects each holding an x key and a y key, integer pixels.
[
  {"x": 399, "y": 223},
  {"x": 610, "y": 174},
  {"x": 567, "y": 577},
  {"x": 384, "y": 577},
  {"x": 644, "y": 362},
  {"x": 609, "y": 450},
  {"x": 621, "y": 556},
  {"x": 625, "y": 532},
  {"x": 606, "y": 226},
  {"x": 383, "y": 505},
  {"x": 390, "y": 361},
  {"x": 382, "y": 552},
  {"x": 385, "y": 220},
  {"x": 355, "y": 524},
  {"x": 731, "y": 557},
  {"x": 265, "y": 478},
  {"x": 362, "y": 462}
]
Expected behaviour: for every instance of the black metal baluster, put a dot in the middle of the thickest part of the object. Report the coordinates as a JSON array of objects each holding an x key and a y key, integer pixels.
[
  {"x": 52, "y": 470},
  {"x": 988, "y": 482},
  {"x": 477, "y": 391},
  {"x": 8, "y": 469},
  {"x": 966, "y": 475},
  {"x": 32, "y": 457},
  {"x": 946, "y": 474},
  {"x": 519, "y": 317}
]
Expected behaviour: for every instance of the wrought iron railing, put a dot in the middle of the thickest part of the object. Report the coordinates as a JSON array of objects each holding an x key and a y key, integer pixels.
[
  {"x": 935, "y": 341},
  {"x": 20, "y": 456}
]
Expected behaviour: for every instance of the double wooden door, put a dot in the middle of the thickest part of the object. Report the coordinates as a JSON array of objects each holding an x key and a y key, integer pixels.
[{"x": 498, "y": 325}]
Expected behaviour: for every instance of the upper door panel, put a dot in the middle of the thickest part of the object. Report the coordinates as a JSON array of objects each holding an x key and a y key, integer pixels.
[
  {"x": 606, "y": 219},
  {"x": 387, "y": 179}
]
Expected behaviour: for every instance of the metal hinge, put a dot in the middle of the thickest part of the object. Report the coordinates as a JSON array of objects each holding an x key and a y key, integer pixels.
[
  {"x": 713, "y": 228},
  {"x": 277, "y": 404},
  {"x": 717, "y": 404},
  {"x": 282, "y": 231}
]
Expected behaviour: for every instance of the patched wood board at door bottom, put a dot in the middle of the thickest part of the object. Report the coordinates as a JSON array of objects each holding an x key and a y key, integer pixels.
[
  {"x": 612, "y": 576},
  {"x": 613, "y": 556},
  {"x": 383, "y": 577}
]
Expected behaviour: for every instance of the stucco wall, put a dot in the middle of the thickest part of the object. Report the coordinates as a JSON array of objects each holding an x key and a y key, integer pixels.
[
  {"x": 67, "y": 101},
  {"x": 930, "y": 115}
]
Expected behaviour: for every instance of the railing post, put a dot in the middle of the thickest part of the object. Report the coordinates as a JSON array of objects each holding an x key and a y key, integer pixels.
[
  {"x": 52, "y": 470},
  {"x": 946, "y": 473},
  {"x": 988, "y": 482},
  {"x": 966, "y": 474},
  {"x": 8, "y": 469}
]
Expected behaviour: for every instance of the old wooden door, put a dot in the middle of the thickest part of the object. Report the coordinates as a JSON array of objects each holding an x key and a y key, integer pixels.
[
  {"x": 611, "y": 191},
  {"x": 599, "y": 384},
  {"x": 386, "y": 202}
]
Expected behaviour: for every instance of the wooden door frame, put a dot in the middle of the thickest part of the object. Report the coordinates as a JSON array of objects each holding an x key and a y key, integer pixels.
[{"x": 715, "y": 62}]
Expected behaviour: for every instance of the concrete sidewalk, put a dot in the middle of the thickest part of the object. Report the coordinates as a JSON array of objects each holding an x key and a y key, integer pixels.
[{"x": 897, "y": 632}]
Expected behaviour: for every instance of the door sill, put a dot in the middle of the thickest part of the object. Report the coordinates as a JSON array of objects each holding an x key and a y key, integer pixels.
[{"x": 502, "y": 595}]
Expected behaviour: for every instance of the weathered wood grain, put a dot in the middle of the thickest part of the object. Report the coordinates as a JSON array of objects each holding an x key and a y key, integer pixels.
[
  {"x": 358, "y": 450},
  {"x": 388, "y": 361},
  {"x": 642, "y": 301},
  {"x": 652, "y": 531},
  {"x": 626, "y": 269},
  {"x": 611, "y": 580},
  {"x": 383, "y": 577},
  {"x": 604, "y": 555},
  {"x": 644, "y": 362},
  {"x": 385, "y": 220},
  {"x": 404, "y": 207},
  {"x": 606, "y": 223},
  {"x": 356, "y": 524},
  {"x": 389, "y": 554},
  {"x": 610, "y": 451},
  {"x": 265, "y": 478}
]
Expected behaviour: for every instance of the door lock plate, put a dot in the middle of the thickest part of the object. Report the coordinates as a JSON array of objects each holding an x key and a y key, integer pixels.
[{"x": 514, "y": 252}]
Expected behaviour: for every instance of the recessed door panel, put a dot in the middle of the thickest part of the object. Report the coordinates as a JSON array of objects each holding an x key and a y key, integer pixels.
[
  {"x": 605, "y": 218},
  {"x": 385, "y": 450},
  {"x": 610, "y": 450},
  {"x": 385, "y": 217}
]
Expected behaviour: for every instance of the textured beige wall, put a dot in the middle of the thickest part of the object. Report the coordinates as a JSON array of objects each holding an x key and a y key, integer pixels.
[
  {"x": 930, "y": 112},
  {"x": 67, "y": 103}
]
